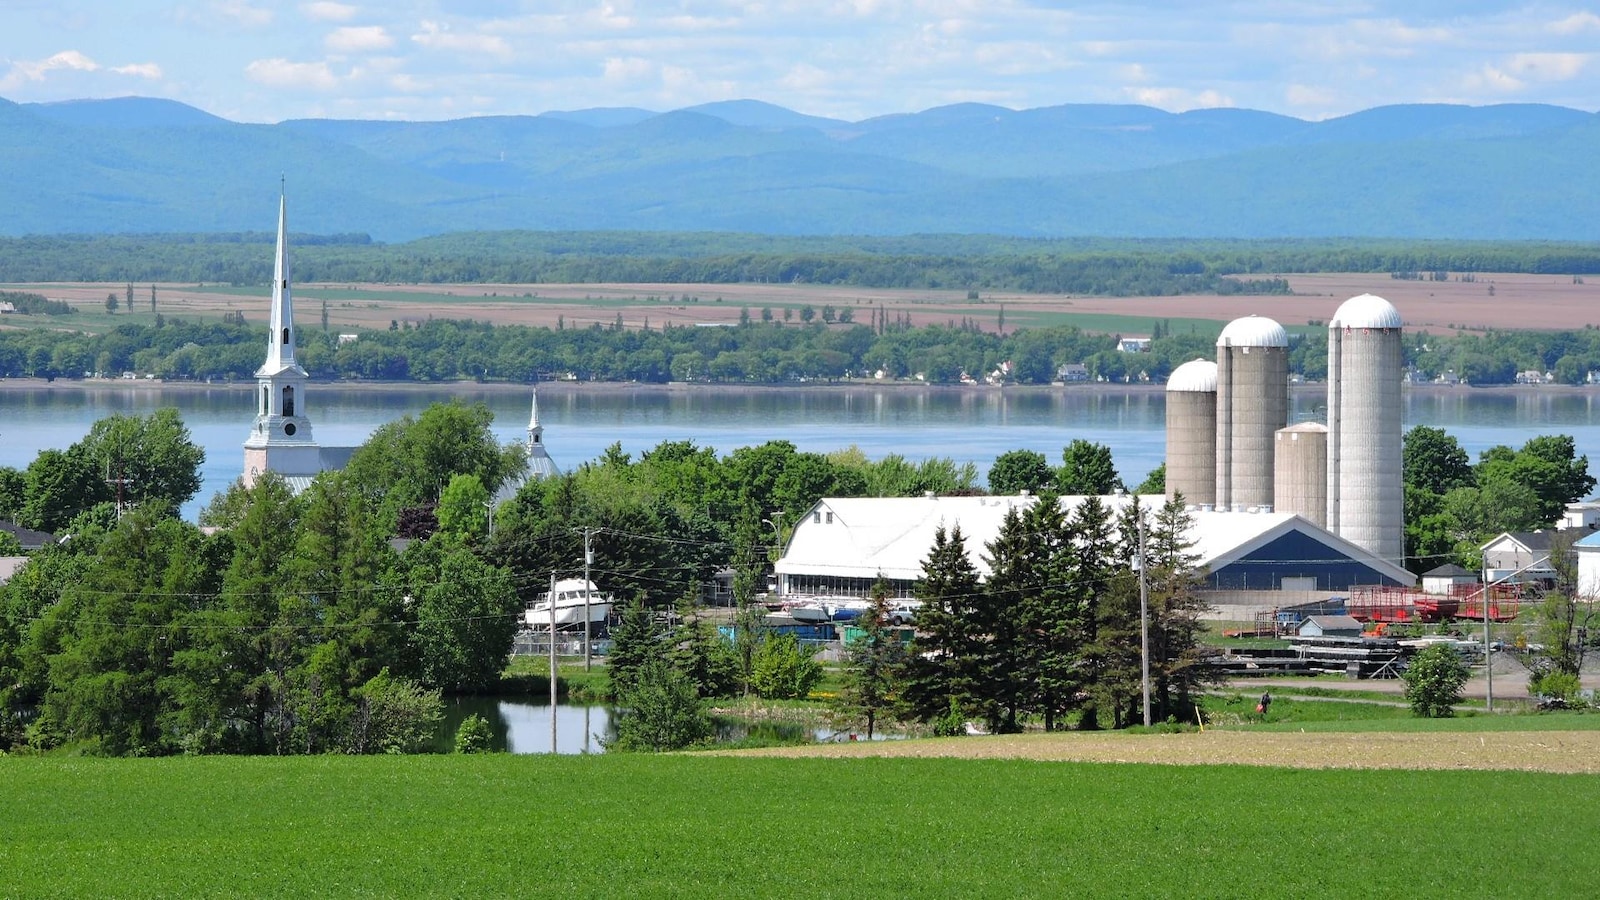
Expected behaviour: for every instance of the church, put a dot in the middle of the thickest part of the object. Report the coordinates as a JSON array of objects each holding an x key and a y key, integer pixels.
[{"x": 281, "y": 440}]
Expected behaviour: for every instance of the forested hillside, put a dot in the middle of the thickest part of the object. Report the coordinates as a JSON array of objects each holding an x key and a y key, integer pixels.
[
  {"x": 1099, "y": 266},
  {"x": 138, "y": 165}
]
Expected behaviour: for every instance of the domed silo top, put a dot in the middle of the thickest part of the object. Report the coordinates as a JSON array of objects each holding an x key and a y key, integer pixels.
[
  {"x": 1366, "y": 311},
  {"x": 1304, "y": 428},
  {"x": 1253, "y": 331},
  {"x": 1197, "y": 375}
]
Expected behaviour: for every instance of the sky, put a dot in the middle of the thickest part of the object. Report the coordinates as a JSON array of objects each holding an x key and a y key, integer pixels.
[{"x": 261, "y": 61}]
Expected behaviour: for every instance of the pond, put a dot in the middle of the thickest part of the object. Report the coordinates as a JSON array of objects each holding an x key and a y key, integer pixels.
[{"x": 523, "y": 726}]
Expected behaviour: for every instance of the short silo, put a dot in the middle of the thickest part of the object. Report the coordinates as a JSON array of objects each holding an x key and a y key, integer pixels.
[
  {"x": 1366, "y": 496},
  {"x": 1192, "y": 432},
  {"x": 1300, "y": 471},
  {"x": 1252, "y": 404}
]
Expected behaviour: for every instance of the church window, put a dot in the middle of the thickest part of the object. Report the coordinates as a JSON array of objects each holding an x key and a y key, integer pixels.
[
  {"x": 288, "y": 428},
  {"x": 266, "y": 399},
  {"x": 286, "y": 337},
  {"x": 288, "y": 401}
]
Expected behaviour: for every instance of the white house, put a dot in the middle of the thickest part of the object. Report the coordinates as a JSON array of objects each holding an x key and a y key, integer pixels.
[
  {"x": 1588, "y": 551},
  {"x": 1580, "y": 517},
  {"x": 1519, "y": 557}
]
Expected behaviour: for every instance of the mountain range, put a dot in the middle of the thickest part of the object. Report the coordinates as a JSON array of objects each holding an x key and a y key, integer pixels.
[{"x": 1506, "y": 172}]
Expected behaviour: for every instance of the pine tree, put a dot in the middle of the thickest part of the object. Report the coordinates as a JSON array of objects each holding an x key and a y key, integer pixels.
[
  {"x": 1050, "y": 612},
  {"x": 1175, "y": 606},
  {"x": 634, "y": 643},
  {"x": 941, "y": 669},
  {"x": 873, "y": 663}
]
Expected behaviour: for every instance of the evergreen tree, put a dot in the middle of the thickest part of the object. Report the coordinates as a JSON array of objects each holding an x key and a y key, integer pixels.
[
  {"x": 634, "y": 642},
  {"x": 942, "y": 669},
  {"x": 1004, "y": 677},
  {"x": 873, "y": 662},
  {"x": 1176, "y": 673}
]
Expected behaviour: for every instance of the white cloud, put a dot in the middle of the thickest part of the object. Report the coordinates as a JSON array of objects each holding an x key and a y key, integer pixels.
[
  {"x": 1548, "y": 66},
  {"x": 66, "y": 59},
  {"x": 24, "y": 71},
  {"x": 436, "y": 36},
  {"x": 142, "y": 70},
  {"x": 1305, "y": 96},
  {"x": 282, "y": 73},
  {"x": 628, "y": 71},
  {"x": 1575, "y": 24},
  {"x": 1176, "y": 99},
  {"x": 1492, "y": 78},
  {"x": 359, "y": 39},
  {"x": 243, "y": 13},
  {"x": 326, "y": 11}
]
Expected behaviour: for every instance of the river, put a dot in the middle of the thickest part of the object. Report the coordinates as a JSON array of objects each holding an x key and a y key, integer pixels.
[{"x": 967, "y": 424}]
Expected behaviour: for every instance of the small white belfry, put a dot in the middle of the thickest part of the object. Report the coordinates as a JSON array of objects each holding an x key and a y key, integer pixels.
[{"x": 280, "y": 440}]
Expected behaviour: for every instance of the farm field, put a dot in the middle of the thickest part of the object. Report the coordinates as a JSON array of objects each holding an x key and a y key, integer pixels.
[
  {"x": 1517, "y": 301},
  {"x": 691, "y": 826}
]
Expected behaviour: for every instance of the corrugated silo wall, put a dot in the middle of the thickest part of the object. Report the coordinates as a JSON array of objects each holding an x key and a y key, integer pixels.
[
  {"x": 1371, "y": 493},
  {"x": 1256, "y": 380},
  {"x": 1192, "y": 445},
  {"x": 1300, "y": 473}
]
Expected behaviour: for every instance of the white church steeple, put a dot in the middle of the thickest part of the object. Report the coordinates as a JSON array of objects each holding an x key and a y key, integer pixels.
[
  {"x": 540, "y": 465},
  {"x": 280, "y": 339},
  {"x": 282, "y": 432}
]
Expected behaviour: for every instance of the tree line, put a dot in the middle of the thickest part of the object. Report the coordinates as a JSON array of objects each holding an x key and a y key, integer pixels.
[
  {"x": 764, "y": 348},
  {"x": 1126, "y": 267}
]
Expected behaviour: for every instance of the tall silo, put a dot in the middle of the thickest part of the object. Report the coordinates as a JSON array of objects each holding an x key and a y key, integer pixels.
[
  {"x": 1366, "y": 496},
  {"x": 1252, "y": 403},
  {"x": 1192, "y": 432},
  {"x": 1300, "y": 471}
]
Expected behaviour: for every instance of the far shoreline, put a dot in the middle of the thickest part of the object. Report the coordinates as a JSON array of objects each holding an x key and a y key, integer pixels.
[{"x": 557, "y": 388}]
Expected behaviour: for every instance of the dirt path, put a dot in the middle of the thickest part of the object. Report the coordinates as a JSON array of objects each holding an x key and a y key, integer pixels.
[{"x": 1534, "y": 751}]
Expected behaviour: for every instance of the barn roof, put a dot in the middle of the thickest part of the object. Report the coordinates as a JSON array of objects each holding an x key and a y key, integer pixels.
[{"x": 864, "y": 537}]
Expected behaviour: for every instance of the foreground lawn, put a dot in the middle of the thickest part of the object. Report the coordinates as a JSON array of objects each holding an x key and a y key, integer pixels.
[{"x": 687, "y": 826}]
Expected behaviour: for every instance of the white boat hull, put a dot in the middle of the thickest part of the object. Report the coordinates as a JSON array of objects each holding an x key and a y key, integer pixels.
[{"x": 539, "y": 615}]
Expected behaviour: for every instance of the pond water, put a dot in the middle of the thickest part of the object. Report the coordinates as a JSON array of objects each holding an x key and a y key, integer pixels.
[{"x": 523, "y": 726}]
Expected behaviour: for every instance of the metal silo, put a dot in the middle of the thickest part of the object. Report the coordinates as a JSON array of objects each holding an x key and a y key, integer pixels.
[
  {"x": 1300, "y": 471},
  {"x": 1252, "y": 403},
  {"x": 1366, "y": 497},
  {"x": 1192, "y": 432}
]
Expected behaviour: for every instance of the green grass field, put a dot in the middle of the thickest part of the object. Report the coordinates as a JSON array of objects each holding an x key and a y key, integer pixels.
[{"x": 707, "y": 826}]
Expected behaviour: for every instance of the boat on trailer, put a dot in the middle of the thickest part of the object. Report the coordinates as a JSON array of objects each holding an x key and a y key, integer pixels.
[{"x": 569, "y": 597}]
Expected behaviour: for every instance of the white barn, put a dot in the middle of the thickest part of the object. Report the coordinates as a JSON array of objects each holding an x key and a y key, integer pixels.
[{"x": 843, "y": 545}]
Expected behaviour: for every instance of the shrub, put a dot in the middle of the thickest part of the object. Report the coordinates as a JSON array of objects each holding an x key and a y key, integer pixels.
[
  {"x": 660, "y": 712},
  {"x": 474, "y": 735},
  {"x": 1557, "y": 686},
  {"x": 1434, "y": 680},
  {"x": 952, "y": 722},
  {"x": 394, "y": 715},
  {"x": 782, "y": 670}
]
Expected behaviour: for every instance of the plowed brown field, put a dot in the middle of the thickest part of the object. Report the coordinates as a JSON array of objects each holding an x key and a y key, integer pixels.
[{"x": 1532, "y": 751}]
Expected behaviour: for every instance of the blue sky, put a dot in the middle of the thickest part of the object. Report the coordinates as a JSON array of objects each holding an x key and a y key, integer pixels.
[{"x": 260, "y": 61}]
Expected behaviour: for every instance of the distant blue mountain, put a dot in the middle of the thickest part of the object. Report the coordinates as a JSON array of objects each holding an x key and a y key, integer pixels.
[
  {"x": 144, "y": 165},
  {"x": 124, "y": 112}
]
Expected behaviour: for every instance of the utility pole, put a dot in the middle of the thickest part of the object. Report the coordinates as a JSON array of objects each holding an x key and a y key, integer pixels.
[
  {"x": 588, "y": 559},
  {"x": 1488, "y": 643},
  {"x": 1144, "y": 616},
  {"x": 551, "y": 609}
]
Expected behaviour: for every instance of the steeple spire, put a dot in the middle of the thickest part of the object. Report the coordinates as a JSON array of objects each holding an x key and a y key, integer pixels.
[
  {"x": 280, "y": 339},
  {"x": 540, "y": 465},
  {"x": 282, "y": 428}
]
